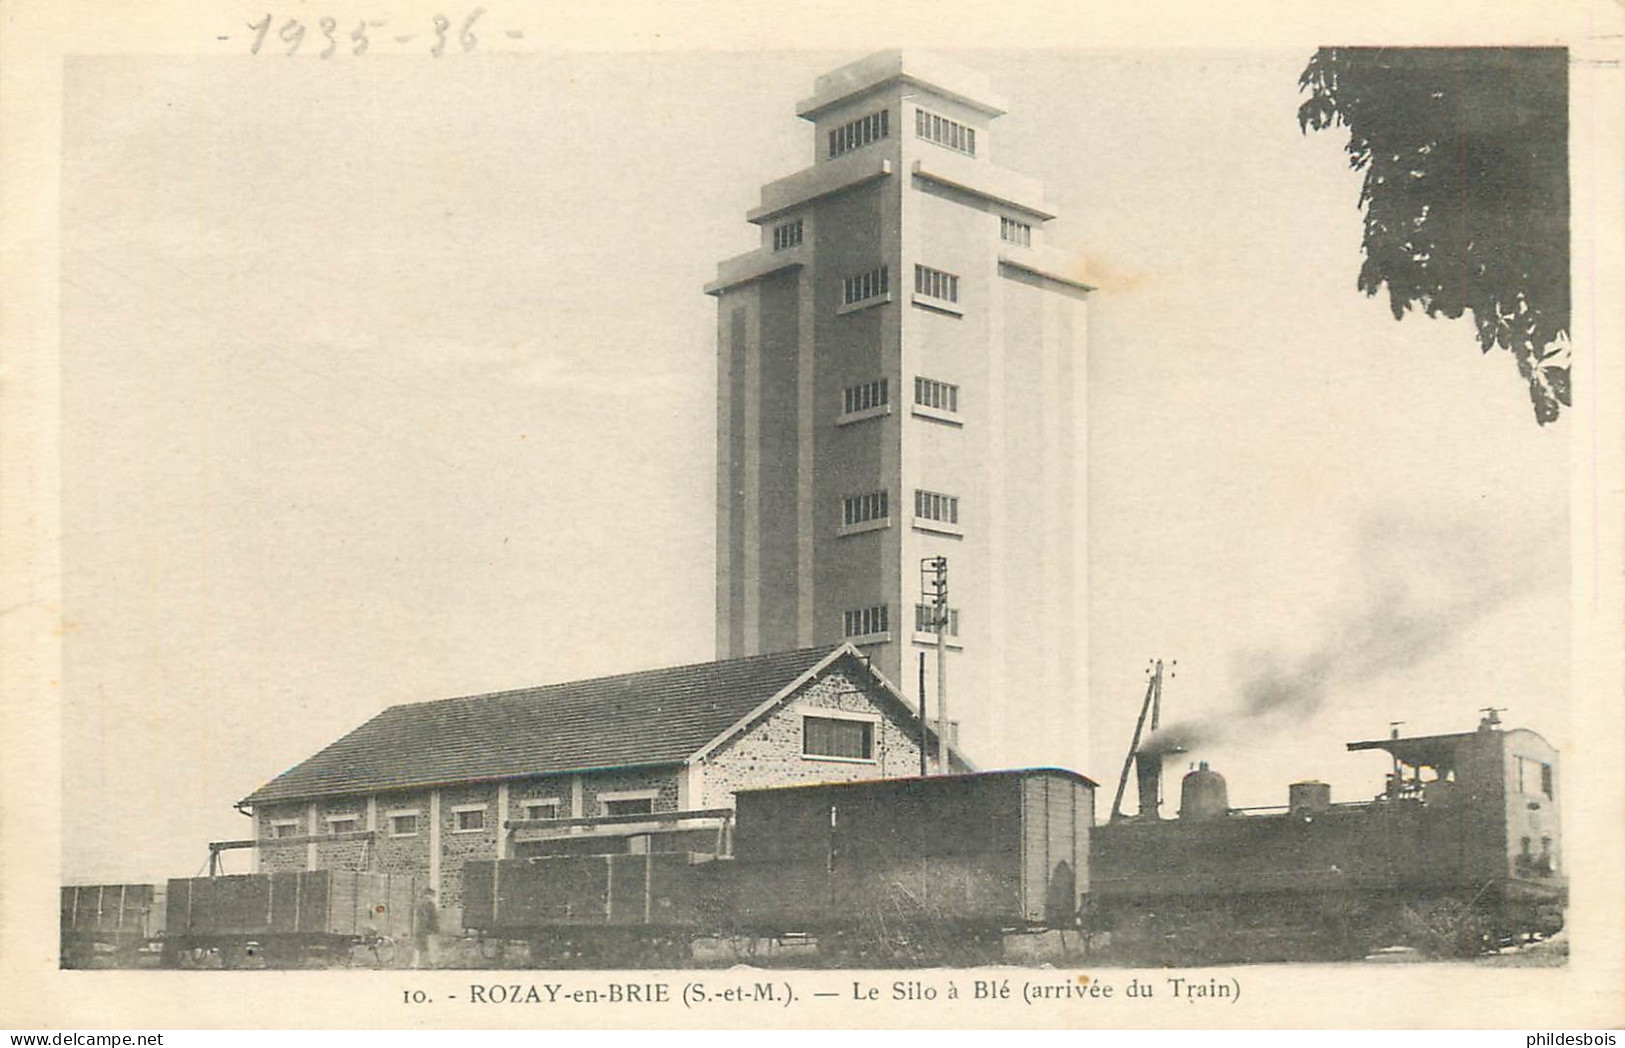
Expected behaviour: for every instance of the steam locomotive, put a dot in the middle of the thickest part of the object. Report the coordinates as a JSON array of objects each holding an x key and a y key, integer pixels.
[{"x": 1460, "y": 849}]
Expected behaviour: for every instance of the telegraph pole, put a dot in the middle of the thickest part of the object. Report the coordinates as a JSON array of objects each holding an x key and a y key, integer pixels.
[{"x": 934, "y": 594}]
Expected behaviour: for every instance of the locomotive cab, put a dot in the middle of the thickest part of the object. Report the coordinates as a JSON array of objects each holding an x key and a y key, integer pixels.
[{"x": 1504, "y": 783}]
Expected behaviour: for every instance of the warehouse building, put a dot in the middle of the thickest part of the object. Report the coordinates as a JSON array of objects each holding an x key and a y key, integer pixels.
[{"x": 640, "y": 761}]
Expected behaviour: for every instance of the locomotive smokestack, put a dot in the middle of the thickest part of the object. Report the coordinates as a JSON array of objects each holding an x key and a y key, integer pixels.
[{"x": 1148, "y": 769}]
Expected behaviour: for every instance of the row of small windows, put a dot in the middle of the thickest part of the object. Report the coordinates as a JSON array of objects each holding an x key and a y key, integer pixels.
[
  {"x": 1014, "y": 232},
  {"x": 857, "y": 509},
  {"x": 928, "y": 392},
  {"x": 933, "y": 505},
  {"x": 787, "y": 235},
  {"x": 928, "y": 505},
  {"x": 865, "y": 286},
  {"x": 945, "y": 132},
  {"x": 837, "y": 737},
  {"x": 925, "y": 620},
  {"x": 862, "y": 622},
  {"x": 465, "y": 820},
  {"x": 866, "y": 396},
  {"x": 859, "y": 133},
  {"x": 934, "y": 283},
  {"x": 944, "y": 396}
]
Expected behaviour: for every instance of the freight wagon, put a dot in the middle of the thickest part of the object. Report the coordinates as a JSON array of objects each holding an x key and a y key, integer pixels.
[
  {"x": 285, "y": 920},
  {"x": 111, "y": 925},
  {"x": 895, "y": 868}
]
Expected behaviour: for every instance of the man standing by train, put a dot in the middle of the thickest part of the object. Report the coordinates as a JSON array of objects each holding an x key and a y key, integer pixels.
[{"x": 425, "y": 922}]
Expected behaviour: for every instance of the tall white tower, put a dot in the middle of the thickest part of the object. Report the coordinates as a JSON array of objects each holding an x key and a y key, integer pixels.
[{"x": 901, "y": 375}]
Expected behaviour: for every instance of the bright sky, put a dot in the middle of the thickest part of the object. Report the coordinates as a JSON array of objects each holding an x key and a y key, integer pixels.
[{"x": 381, "y": 386}]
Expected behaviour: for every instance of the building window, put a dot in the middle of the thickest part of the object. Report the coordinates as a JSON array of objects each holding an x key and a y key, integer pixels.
[
  {"x": 343, "y": 824},
  {"x": 403, "y": 824},
  {"x": 468, "y": 818},
  {"x": 943, "y": 396},
  {"x": 630, "y": 806},
  {"x": 864, "y": 286},
  {"x": 787, "y": 235},
  {"x": 1534, "y": 775},
  {"x": 932, "y": 505},
  {"x": 925, "y": 620},
  {"x": 949, "y": 134},
  {"x": 859, "y": 509},
  {"x": 548, "y": 809},
  {"x": 933, "y": 283},
  {"x": 838, "y": 737},
  {"x": 286, "y": 828},
  {"x": 1013, "y": 232},
  {"x": 864, "y": 622},
  {"x": 859, "y": 133},
  {"x": 865, "y": 397}
]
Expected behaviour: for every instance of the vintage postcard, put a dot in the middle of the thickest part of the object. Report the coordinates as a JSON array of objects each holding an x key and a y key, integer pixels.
[{"x": 718, "y": 516}]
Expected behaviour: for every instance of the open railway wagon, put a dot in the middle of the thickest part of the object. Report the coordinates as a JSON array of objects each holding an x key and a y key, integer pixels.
[
  {"x": 289, "y": 920},
  {"x": 112, "y": 925},
  {"x": 620, "y": 910},
  {"x": 921, "y": 870}
]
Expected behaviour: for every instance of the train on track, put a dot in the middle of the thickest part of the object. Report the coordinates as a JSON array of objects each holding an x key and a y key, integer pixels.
[{"x": 1459, "y": 850}]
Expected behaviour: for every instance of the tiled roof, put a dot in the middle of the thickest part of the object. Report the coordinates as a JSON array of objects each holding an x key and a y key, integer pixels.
[{"x": 653, "y": 717}]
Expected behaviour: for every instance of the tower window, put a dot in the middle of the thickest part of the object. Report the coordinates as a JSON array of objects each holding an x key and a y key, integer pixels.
[
  {"x": 925, "y": 620},
  {"x": 864, "y": 622},
  {"x": 864, "y": 286},
  {"x": 1013, "y": 232},
  {"x": 858, "y": 509},
  {"x": 859, "y": 133},
  {"x": 929, "y": 393},
  {"x": 837, "y": 737},
  {"x": 864, "y": 397},
  {"x": 934, "y": 283},
  {"x": 930, "y": 505},
  {"x": 949, "y": 134},
  {"x": 787, "y": 235}
]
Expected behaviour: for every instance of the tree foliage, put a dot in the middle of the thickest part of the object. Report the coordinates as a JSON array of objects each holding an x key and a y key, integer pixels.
[{"x": 1465, "y": 153}]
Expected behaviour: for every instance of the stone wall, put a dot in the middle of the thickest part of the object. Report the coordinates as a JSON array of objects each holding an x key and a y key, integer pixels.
[
  {"x": 341, "y": 855},
  {"x": 280, "y": 858},
  {"x": 459, "y": 846},
  {"x": 770, "y": 752},
  {"x": 398, "y": 855},
  {"x": 662, "y": 780}
]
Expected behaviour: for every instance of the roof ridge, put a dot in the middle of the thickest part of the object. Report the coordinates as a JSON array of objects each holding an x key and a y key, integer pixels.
[{"x": 823, "y": 649}]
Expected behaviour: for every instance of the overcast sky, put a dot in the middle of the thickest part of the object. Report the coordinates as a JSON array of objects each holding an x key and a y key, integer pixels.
[{"x": 387, "y": 381}]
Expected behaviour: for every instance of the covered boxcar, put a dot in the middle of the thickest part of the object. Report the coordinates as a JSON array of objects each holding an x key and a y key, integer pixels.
[{"x": 953, "y": 853}]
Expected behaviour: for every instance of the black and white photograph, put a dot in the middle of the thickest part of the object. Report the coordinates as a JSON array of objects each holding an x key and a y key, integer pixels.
[{"x": 685, "y": 524}]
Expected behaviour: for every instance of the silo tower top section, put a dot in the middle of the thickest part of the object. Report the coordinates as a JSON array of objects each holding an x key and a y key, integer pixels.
[{"x": 878, "y": 72}]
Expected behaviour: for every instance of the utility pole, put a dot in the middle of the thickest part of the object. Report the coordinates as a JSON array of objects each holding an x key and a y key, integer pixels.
[
  {"x": 934, "y": 594},
  {"x": 924, "y": 771}
]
